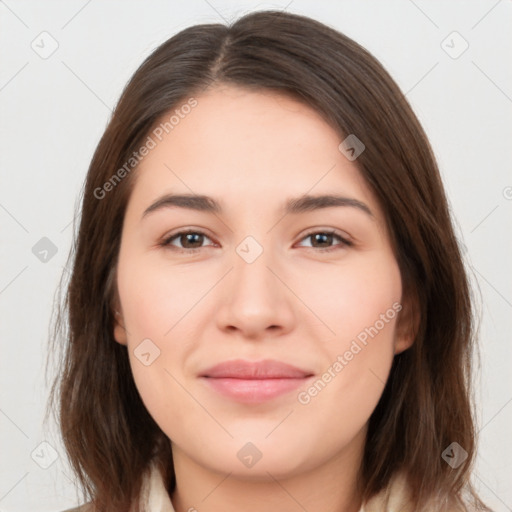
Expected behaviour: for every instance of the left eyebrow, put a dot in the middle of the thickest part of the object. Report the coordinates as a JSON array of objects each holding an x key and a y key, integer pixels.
[
  {"x": 308, "y": 203},
  {"x": 305, "y": 203}
]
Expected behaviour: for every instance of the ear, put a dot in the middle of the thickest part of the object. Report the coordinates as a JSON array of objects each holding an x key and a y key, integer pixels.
[
  {"x": 119, "y": 326},
  {"x": 408, "y": 322}
]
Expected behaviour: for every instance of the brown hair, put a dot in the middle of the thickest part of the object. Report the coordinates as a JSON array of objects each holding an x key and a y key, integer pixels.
[{"x": 109, "y": 435}]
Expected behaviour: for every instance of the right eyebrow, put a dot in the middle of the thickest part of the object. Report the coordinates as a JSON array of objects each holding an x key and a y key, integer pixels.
[{"x": 190, "y": 201}]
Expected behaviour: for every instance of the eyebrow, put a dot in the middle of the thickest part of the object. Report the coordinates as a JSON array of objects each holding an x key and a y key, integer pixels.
[{"x": 305, "y": 203}]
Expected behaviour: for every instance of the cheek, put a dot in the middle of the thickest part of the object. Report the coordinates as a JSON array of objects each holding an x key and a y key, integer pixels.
[
  {"x": 155, "y": 303},
  {"x": 155, "y": 298},
  {"x": 353, "y": 298},
  {"x": 165, "y": 393},
  {"x": 362, "y": 307}
]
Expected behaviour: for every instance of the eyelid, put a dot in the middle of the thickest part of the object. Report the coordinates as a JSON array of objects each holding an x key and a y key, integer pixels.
[
  {"x": 345, "y": 239},
  {"x": 167, "y": 239}
]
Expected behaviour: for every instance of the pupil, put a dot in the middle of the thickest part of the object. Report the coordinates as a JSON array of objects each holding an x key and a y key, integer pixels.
[
  {"x": 189, "y": 237},
  {"x": 323, "y": 237}
]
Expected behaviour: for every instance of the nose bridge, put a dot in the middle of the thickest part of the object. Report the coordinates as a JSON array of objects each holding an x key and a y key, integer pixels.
[
  {"x": 255, "y": 299},
  {"x": 252, "y": 279}
]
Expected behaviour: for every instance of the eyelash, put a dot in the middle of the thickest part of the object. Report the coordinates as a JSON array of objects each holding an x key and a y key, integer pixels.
[{"x": 166, "y": 242}]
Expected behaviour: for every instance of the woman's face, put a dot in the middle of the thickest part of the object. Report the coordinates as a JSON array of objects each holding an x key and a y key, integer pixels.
[{"x": 296, "y": 298}]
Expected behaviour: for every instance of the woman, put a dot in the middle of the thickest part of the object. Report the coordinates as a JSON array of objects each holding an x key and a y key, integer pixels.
[{"x": 268, "y": 307}]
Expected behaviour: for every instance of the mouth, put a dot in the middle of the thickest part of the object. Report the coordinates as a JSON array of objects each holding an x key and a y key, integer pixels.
[{"x": 254, "y": 382}]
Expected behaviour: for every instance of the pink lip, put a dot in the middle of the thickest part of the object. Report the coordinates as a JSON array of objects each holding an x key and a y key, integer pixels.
[{"x": 253, "y": 382}]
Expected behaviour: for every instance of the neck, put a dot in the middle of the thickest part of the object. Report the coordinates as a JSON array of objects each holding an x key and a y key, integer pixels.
[{"x": 331, "y": 487}]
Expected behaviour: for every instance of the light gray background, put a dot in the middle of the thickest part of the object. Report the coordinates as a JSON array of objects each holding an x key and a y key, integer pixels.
[{"x": 54, "y": 110}]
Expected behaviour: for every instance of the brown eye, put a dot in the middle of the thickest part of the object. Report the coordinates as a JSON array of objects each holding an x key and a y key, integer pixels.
[
  {"x": 324, "y": 240},
  {"x": 185, "y": 240},
  {"x": 191, "y": 240}
]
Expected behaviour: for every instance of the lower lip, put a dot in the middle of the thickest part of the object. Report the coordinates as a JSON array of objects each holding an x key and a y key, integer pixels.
[{"x": 253, "y": 390}]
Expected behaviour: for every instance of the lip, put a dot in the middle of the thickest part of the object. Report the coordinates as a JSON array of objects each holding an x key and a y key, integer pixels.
[{"x": 254, "y": 381}]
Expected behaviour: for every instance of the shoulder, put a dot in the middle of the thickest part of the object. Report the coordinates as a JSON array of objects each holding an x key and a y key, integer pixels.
[{"x": 397, "y": 496}]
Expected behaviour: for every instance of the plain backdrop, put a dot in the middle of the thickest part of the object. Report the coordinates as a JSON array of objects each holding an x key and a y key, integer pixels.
[{"x": 63, "y": 66}]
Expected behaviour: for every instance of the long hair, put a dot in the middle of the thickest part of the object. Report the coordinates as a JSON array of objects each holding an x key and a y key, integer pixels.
[{"x": 109, "y": 436}]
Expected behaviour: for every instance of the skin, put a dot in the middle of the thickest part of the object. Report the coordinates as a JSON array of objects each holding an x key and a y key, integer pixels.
[{"x": 251, "y": 151}]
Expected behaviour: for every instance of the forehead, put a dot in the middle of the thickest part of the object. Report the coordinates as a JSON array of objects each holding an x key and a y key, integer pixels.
[{"x": 244, "y": 145}]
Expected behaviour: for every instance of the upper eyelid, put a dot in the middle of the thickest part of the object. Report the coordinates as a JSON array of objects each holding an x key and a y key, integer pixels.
[
  {"x": 167, "y": 239},
  {"x": 346, "y": 239}
]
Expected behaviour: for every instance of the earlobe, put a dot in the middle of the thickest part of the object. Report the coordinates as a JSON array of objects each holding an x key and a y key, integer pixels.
[
  {"x": 119, "y": 328},
  {"x": 407, "y": 325},
  {"x": 116, "y": 310},
  {"x": 403, "y": 343}
]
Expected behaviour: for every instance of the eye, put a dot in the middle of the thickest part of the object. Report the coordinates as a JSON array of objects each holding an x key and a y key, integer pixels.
[
  {"x": 192, "y": 240},
  {"x": 189, "y": 240},
  {"x": 325, "y": 240}
]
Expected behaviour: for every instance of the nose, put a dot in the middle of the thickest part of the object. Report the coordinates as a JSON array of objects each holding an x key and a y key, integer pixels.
[{"x": 255, "y": 303}]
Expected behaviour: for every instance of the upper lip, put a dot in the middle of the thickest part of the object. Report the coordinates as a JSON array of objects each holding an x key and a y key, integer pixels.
[{"x": 266, "y": 369}]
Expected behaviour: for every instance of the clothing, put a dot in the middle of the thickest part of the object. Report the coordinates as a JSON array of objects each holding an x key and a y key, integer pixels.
[{"x": 156, "y": 499}]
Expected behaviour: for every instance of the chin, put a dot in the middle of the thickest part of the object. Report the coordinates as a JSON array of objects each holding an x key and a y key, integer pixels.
[{"x": 255, "y": 459}]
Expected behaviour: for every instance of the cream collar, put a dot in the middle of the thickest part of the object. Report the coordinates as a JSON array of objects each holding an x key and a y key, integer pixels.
[{"x": 155, "y": 498}]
